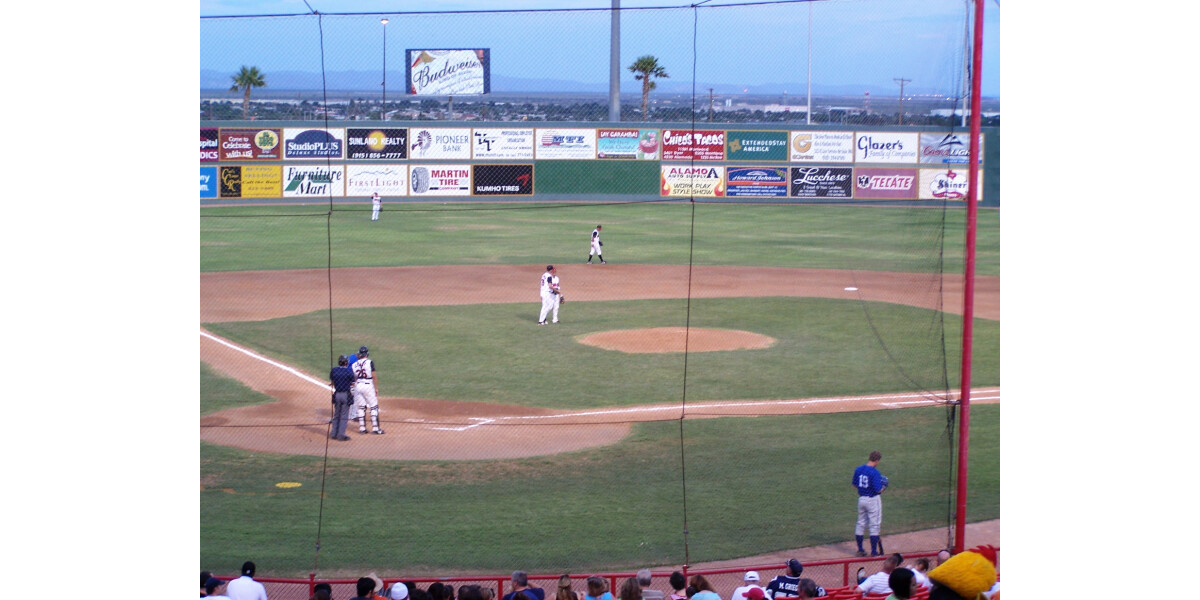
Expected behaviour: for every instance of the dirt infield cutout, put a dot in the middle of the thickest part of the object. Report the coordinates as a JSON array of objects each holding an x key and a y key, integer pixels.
[{"x": 676, "y": 339}]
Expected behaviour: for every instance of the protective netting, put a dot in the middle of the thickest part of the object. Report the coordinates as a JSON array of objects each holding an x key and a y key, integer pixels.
[{"x": 716, "y": 373}]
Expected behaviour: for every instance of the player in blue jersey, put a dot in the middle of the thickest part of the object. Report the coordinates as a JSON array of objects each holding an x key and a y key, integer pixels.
[{"x": 869, "y": 483}]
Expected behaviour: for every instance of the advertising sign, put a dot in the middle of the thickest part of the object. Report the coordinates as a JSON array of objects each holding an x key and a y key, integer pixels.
[
  {"x": 502, "y": 144},
  {"x": 209, "y": 141},
  {"x": 682, "y": 180},
  {"x": 440, "y": 180},
  {"x": 208, "y": 182},
  {"x": 261, "y": 181},
  {"x": 630, "y": 144},
  {"x": 822, "y": 146},
  {"x": 458, "y": 71},
  {"x": 439, "y": 144},
  {"x": 250, "y": 144},
  {"x": 502, "y": 180},
  {"x": 565, "y": 144},
  {"x": 886, "y": 147},
  {"x": 756, "y": 181},
  {"x": 947, "y": 184},
  {"x": 682, "y": 145},
  {"x": 313, "y": 181},
  {"x": 881, "y": 183},
  {"x": 313, "y": 143},
  {"x": 388, "y": 180},
  {"x": 756, "y": 145},
  {"x": 949, "y": 148},
  {"x": 229, "y": 182},
  {"x": 377, "y": 144},
  {"x": 822, "y": 182}
]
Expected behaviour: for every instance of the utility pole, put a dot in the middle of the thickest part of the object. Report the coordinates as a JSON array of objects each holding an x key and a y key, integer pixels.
[
  {"x": 902, "y": 81},
  {"x": 710, "y": 105}
]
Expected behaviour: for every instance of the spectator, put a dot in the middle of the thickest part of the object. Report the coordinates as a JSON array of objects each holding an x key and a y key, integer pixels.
[
  {"x": 750, "y": 579},
  {"x": 398, "y": 591},
  {"x": 487, "y": 593},
  {"x": 690, "y": 591},
  {"x": 785, "y": 585},
  {"x": 322, "y": 591},
  {"x": 878, "y": 583},
  {"x": 942, "y": 556},
  {"x": 204, "y": 575},
  {"x": 215, "y": 588},
  {"x": 437, "y": 590},
  {"x": 754, "y": 593},
  {"x": 966, "y": 575},
  {"x": 901, "y": 583},
  {"x": 470, "y": 592},
  {"x": 417, "y": 593},
  {"x": 920, "y": 570},
  {"x": 704, "y": 589},
  {"x": 365, "y": 588},
  {"x": 678, "y": 584},
  {"x": 597, "y": 589},
  {"x": 808, "y": 589},
  {"x": 564, "y": 590},
  {"x": 643, "y": 579},
  {"x": 379, "y": 589},
  {"x": 245, "y": 587},
  {"x": 520, "y": 583},
  {"x": 630, "y": 589}
]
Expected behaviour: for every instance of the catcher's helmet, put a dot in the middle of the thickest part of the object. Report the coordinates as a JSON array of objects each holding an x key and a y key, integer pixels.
[
  {"x": 342, "y": 360},
  {"x": 363, "y": 351}
]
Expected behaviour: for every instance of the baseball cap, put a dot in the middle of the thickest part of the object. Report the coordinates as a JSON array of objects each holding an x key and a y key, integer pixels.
[
  {"x": 795, "y": 566},
  {"x": 754, "y": 593},
  {"x": 363, "y": 350},
  {"x": 549, "y": 267},
  {"x": 378, "y": 582},
  {"x": 248, "y": 568},
  {"x": 399, "y": 591},
  {"x": 751, "y": 576},
  {"x": 213, "y": 583}
]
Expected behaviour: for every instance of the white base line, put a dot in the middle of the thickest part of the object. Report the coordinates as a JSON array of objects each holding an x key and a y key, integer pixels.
[
  {"x": 252, "y": 354},
  {"x": 923, "y": 398}
]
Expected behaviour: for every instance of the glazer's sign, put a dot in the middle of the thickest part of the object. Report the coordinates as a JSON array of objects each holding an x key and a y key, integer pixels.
[
  {"x": 885, "y": 147},
  {"x": 450, "y": 71}
]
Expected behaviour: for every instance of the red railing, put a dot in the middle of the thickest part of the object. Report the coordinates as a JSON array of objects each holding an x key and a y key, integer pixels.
[{"x": 839, "y": 574}]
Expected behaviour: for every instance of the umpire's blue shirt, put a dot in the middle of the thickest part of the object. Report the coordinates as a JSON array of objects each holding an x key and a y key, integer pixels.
[{"x": 342, "y": 378}]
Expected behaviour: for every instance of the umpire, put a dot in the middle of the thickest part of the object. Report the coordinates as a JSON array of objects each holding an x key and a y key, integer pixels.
[{"x": 341, "y": 378}]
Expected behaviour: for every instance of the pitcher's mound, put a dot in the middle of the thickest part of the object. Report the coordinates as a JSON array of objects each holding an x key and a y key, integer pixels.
[{"x": 673, "y": 339}]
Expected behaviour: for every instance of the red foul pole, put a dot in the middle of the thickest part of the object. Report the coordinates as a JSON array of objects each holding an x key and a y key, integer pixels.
[{"x": 964, "y": 413}]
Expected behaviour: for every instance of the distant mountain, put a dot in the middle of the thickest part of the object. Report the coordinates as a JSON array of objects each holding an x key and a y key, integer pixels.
[{"x": 370, "y": 82}]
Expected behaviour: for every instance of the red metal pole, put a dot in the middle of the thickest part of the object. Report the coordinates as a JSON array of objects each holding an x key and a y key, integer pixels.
[{"x": 964, "y": 414}]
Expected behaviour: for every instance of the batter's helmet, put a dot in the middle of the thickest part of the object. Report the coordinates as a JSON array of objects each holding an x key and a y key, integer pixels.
[{"x": 363, "y": 351}]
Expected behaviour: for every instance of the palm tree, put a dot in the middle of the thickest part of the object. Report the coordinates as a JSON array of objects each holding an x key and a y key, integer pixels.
[
  {"x": 246, "y": 79},
  {"x": 646, "y": 68}
]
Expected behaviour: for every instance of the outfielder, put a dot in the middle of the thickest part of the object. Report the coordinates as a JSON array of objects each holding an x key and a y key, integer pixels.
[
  {"x": 376, "y": 203},
  {"x": 365, "y": 393},
  {"x": 869, "y": 483},
  {"x": 596, "y": 244},
  {"x": 551, "y": 295}
]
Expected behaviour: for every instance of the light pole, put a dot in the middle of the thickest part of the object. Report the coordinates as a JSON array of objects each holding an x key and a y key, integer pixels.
[{"x": 383, "y": 106}]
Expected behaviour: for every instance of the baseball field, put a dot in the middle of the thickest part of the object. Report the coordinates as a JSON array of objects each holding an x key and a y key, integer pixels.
[{"x": 722, "y": 375}]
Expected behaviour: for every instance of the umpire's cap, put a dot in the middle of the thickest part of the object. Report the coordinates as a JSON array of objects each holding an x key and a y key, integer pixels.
[{"x": 363, "y": 351}]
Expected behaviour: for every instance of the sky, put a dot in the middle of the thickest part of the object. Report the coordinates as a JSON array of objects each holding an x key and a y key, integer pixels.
[{"x": 861, "y": 44}]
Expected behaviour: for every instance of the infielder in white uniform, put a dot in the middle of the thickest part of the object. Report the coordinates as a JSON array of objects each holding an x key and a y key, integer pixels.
[
  {"x": 365, "y": 397},
  {"x": 550, "y": 294},
  {"x": 596, "y": 244},
  {"x": 376, "y": 202}
]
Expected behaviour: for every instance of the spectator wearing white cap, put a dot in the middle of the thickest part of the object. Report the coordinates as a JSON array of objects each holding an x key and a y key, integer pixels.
[
  {"x": 751, "y": 581},
  {"x": 399, "y": 591}
]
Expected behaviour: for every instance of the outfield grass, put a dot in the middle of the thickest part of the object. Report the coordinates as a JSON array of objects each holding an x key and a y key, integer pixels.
[
  {"x": 754, "y": 485},
  {"x": 494, "y": 352},
  {"x": 831, "y": 237}
]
